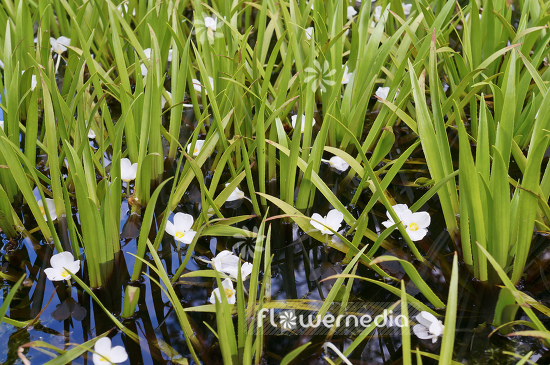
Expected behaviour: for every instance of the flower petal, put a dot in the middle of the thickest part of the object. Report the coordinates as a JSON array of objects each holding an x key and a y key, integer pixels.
[
  {"x": 246, "y": 270},
  {"x": 73, "y": 267},
  {"x": 226, "y": 262},
  {"x": 426, "y": 319},
  {"x": 422, "y": 219},
  {"x": 53, "y": 274},
  {"x": 118, "y": 354},
  {"x": 215, "y": 295},
  {"x": 421, "y": 332},
  {"x": 170, "y": 228},
  {"x": 183, "y": 222},
  {"x": 388, "y": 223},
  {"x": 334, "y": 219},
  {"x": 103, "y": 346},
  {"x": 188, "y": 238},
  {"x": 125, "y": 164},
  {"x": 436, "y": 329},
  {"x": 400, "y": 209},
  {"x": 317, "y": 217},
  {"x": 227, "y": 284},
  {"x": 61, "y": 260},
  {"x": 418, "y": 234}
]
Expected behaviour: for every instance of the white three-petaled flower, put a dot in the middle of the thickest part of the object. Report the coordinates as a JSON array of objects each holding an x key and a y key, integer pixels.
[
  {"x": 228, "y": 290},
  {"x": 351, "y": 12},
  {"x": 346, "y": 77},
  {"x": 51, "y": 208},
  {"x": 382, "y": 92},
  {"x": 235, "y": 194},
  {"x": 210, "y": 23},
  {"x": 60, "y": 44},
  {"x": 128, "y": 170},
  {"x": 181, "y": 228},
  {"x": 429, "y": 327},
  {"x": 337, "y": 163},
  {"x": 407, "y": 9},
  {"x": 198, "y": 146},
  {"x": 105, "y": 354},
  {"x": 332, "y": 220},
  {"x": 62, "y": 263},
  {"x": 416, "y": 224},
  {"x": 228, "y": 263}
]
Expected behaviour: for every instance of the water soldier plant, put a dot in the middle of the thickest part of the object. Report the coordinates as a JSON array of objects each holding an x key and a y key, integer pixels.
[{"x": 386, "y": 153}]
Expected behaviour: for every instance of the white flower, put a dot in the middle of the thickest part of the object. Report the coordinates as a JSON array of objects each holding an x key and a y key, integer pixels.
[
  {"x": 407, "y": 9},
  {"x": 429, "y": 327},
  {"x": 144, "y": 69},
  {"x": 128, "y": 170},
  {"x": 2, "y": 124},
  {"x": 337, "y": 163},
  {"x": 1, "y": 64},
  {"x": 181, "y": 228},
  {"x": 198, "y": 146},
  {"x": 60, "y": 44},
  {"x": 210, "y": 23},
  {"x": 208, "y": 28},
  {"x": 416, "y": 224},
  {"x": 91, "y": 134},
  {"x": 351, "y": 12},
  {"x": 309, "y": 32},
  {"x": 332, "y": 220},
  {"x": 228, "y": 290},
  {"x": 51, "y": 208},
  {"x": 382, "y": 92},
  {"x": 198, "y": 87},
  {"x": 105, "y": 354},
  {"x": 62, "y": 262},
  {"x": 147, "y": 52},
  {"x": 347, "y": 76},
  {"x": 293, "y": 122},
  {"x": 228, "y": 263},
  {"x": 170, "y": 55},
  {"x": 377, "y": 13},
  {"x": 235, "y": 195},
  {"x": 163, "y": 100}
]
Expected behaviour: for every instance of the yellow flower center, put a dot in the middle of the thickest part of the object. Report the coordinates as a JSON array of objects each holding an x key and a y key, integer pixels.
[
  {"x": 228, "y": 293},
  {"x": 65, "y": 274},
  {"x": 42, "y": 210},
  {"x": 413, "y": 227},
  {"x": 196, "y": 151},
  {"x": 105, "y": 358},
  {"x": 179, "y": 234}
]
